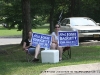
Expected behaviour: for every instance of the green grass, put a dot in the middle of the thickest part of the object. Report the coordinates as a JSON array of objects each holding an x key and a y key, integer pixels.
[
  {"x": 10, "y": 32},
  {"x": 13, "y": 60},
  {"x": 5, "y": 32}
]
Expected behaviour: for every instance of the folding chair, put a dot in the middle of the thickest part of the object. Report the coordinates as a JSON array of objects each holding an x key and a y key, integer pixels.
[
  {"x": 67, "y": 52},
  {"x": 29, "y": 57}
]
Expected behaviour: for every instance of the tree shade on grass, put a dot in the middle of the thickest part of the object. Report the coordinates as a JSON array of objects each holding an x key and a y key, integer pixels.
[{"x": 13, "y": 60}]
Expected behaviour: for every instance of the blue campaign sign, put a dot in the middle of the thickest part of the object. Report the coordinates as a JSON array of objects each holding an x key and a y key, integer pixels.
[
  {"x": 68, "y": 38},
  {"x": 42, "y": 39}
]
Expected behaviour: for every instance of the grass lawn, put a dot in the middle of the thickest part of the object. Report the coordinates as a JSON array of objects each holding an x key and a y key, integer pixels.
[
  {"x": 13, "y": 60},
  {"x": 12, "y": 32}
]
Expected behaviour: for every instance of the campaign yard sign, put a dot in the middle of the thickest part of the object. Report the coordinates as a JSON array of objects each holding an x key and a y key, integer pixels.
[
  {"x": 42, "y": 39},
  {"x": 68, "y": 38}
]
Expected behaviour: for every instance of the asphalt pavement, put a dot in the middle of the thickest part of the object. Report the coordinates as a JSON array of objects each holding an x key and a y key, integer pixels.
[
  {"x": 7, "y": 41},
  {"x": 17, "y": 40}
]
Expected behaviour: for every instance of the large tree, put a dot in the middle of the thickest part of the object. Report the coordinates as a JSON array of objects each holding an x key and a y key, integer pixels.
[
  {"x": 26, "y": 22},
  {"x": 52, "y": 2},
  {"x": 11, "y": 11}
]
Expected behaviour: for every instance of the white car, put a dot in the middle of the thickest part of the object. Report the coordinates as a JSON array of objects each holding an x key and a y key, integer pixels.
[{"x": 87, "y": 28}]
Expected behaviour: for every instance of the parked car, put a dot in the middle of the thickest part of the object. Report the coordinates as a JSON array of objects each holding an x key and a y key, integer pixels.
[{"x": 87, "y": 28}]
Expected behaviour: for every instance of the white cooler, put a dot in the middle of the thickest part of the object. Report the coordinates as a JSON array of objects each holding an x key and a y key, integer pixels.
[{"x": 50, "y": 56}]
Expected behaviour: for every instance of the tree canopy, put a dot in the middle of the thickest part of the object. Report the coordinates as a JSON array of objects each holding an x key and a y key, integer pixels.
[
  {"x": 45, "y": 11},
  {"x": 11, "y": 11}
]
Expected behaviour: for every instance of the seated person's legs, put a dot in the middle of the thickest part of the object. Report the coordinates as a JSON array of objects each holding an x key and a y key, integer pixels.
[
  {"x": 31, "y": 51},
  {"x": 60, "y": 52},
  {"x": 53, "y": 46},
  {"x": 35, "y": 52}
]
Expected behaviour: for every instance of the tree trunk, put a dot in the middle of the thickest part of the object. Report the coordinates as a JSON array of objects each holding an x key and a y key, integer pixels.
[
  {"x": 51, "y": 16},
  {"x": 26, "y": 23},
  {"x": 51, "y": 22},
  {"x": 72, "y": 8},
  {"x": 78, "y": 7}
]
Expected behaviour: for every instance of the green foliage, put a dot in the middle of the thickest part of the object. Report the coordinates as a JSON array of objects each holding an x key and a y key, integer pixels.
[
  {"x": 40, "y": 7},
  {"x": 11, "y": 11},
  {"x": 38, "y": 21},
  {"x": 9, "y": 16},
  {"x": 90, "y": 8},
  {"x": 12, "y": 14}
]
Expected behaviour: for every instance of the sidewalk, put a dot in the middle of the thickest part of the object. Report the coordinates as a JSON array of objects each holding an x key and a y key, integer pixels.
[{"x": 82, "y": 69}]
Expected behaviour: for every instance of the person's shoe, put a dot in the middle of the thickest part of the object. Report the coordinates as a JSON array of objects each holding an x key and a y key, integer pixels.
[
  {"x": 60, "y": 59},
  {"x": 35, "y": 59}
]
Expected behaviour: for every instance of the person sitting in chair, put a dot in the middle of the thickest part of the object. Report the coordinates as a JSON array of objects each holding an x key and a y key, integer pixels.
[
  {"x": 29, "y": 49},
  {"x": 54, "y": 44}
]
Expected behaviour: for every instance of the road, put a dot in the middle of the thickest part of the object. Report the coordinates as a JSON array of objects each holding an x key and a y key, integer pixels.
[{"x": 5, "y": 41}]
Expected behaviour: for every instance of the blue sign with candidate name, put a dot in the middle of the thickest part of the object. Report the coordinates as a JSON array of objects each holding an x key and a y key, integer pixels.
[
  {"x": 68, "y": 38},
  {"x": 43, "y": 40}
]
